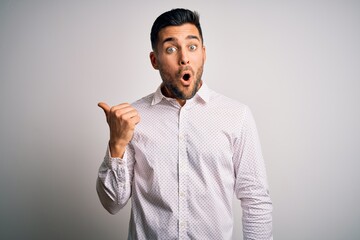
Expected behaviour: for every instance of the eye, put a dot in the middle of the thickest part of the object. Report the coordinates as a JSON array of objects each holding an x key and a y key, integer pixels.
[
  {"x": 192, "y": 47},
  {"x": 171, "y": 50}
]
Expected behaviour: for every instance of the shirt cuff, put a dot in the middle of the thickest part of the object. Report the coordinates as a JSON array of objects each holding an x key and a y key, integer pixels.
[{"x": 114, "y": 163}]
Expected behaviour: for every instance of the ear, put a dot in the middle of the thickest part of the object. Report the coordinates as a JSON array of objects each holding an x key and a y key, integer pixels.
[
  {"x": 153, "y": 60},
  {"x": 204, "y": 52}
]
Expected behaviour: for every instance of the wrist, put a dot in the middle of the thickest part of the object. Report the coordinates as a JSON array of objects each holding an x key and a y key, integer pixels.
[{"x": 117, "y": 149}]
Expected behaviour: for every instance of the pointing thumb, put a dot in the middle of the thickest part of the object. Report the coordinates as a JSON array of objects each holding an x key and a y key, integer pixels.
[{"x": 104, "y": 107}]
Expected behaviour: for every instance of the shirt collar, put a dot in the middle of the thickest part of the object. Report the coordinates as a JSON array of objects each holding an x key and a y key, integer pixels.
[{"x": 202, "y": 94}]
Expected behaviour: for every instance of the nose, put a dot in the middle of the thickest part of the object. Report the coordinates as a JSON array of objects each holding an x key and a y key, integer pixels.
[{"x": 183, "y": 58}]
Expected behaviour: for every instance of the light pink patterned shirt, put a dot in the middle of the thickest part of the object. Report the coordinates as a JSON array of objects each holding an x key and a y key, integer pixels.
[{"x": 183, "y": 167}]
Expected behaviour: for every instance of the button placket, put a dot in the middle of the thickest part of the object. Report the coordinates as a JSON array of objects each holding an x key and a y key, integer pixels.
[{"x": 182, "y": 170}]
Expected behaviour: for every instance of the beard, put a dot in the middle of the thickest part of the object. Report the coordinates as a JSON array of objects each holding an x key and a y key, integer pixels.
[{"x": 174, "y": 89}]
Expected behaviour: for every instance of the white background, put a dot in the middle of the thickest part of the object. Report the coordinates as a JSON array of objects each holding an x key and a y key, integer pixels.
[{"x": 295, "y": 63}]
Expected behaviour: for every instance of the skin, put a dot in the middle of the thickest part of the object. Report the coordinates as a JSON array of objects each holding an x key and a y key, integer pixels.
[
  {"x": 179, "y": 52},
  {"x": 121, "y": 119}
]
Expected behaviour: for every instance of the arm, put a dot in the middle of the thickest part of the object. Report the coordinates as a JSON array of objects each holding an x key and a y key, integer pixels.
[
  {"x": 113, "y": 184},
  {"x": 251, "y": 184}
]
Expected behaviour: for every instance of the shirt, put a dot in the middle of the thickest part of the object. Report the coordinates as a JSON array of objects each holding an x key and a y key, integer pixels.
[{"x": 183, "y": 167}]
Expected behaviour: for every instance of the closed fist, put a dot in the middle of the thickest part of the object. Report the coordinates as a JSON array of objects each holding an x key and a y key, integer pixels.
[{"x": 122, "y": 120}]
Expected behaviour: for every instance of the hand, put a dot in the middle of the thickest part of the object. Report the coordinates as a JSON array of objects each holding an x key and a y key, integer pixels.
[{"x": 121, "y": 119}]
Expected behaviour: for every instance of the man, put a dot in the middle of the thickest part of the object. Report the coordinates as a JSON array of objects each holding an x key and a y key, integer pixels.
[{"x": 192, "y": 150}]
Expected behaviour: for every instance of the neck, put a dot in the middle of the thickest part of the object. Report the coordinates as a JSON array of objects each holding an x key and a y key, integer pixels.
[{"x": 168, "y": 93}]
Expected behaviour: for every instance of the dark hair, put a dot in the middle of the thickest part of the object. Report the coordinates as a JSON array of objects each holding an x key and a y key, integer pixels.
[{"x": 174, "y": 17}]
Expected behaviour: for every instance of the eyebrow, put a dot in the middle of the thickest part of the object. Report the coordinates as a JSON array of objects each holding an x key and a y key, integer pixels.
[{"x": 171, "y": 39}]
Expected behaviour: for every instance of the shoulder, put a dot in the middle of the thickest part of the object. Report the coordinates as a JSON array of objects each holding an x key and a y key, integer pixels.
[
  {"x": 227, "y": 110},
  {"x": 143, "y": 102},
  {"x": 231, "y": 114},
  {"x": 226, "y": 103}
]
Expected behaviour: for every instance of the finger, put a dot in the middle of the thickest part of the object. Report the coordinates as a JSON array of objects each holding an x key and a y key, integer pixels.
[
  {"x": 127, "y": 113},
  {"x": 132, "y": 122},
  {"x": 136, "y": 119},
  {"x": 104, "y": 107},
  {"x": 124, "y": 107},
  {"x": 123, "y": 110}
]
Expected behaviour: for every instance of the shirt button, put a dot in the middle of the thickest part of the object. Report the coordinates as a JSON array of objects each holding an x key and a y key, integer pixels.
[
  {"x": 182, "y": 166},
  {"x": 182, "y": 194},
  {"x": 182, "y": 224}
]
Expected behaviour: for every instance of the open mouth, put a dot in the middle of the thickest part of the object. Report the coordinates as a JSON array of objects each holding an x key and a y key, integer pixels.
[{"x": 186, "y": 76}]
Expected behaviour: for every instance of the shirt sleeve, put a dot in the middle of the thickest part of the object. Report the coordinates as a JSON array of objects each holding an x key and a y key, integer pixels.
[
  {"x": 251, "y": 185},
  {"x": 113, "y": 184}
]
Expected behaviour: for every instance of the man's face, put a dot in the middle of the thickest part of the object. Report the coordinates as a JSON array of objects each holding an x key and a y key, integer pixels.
[{"x": 179, "y": 57}]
